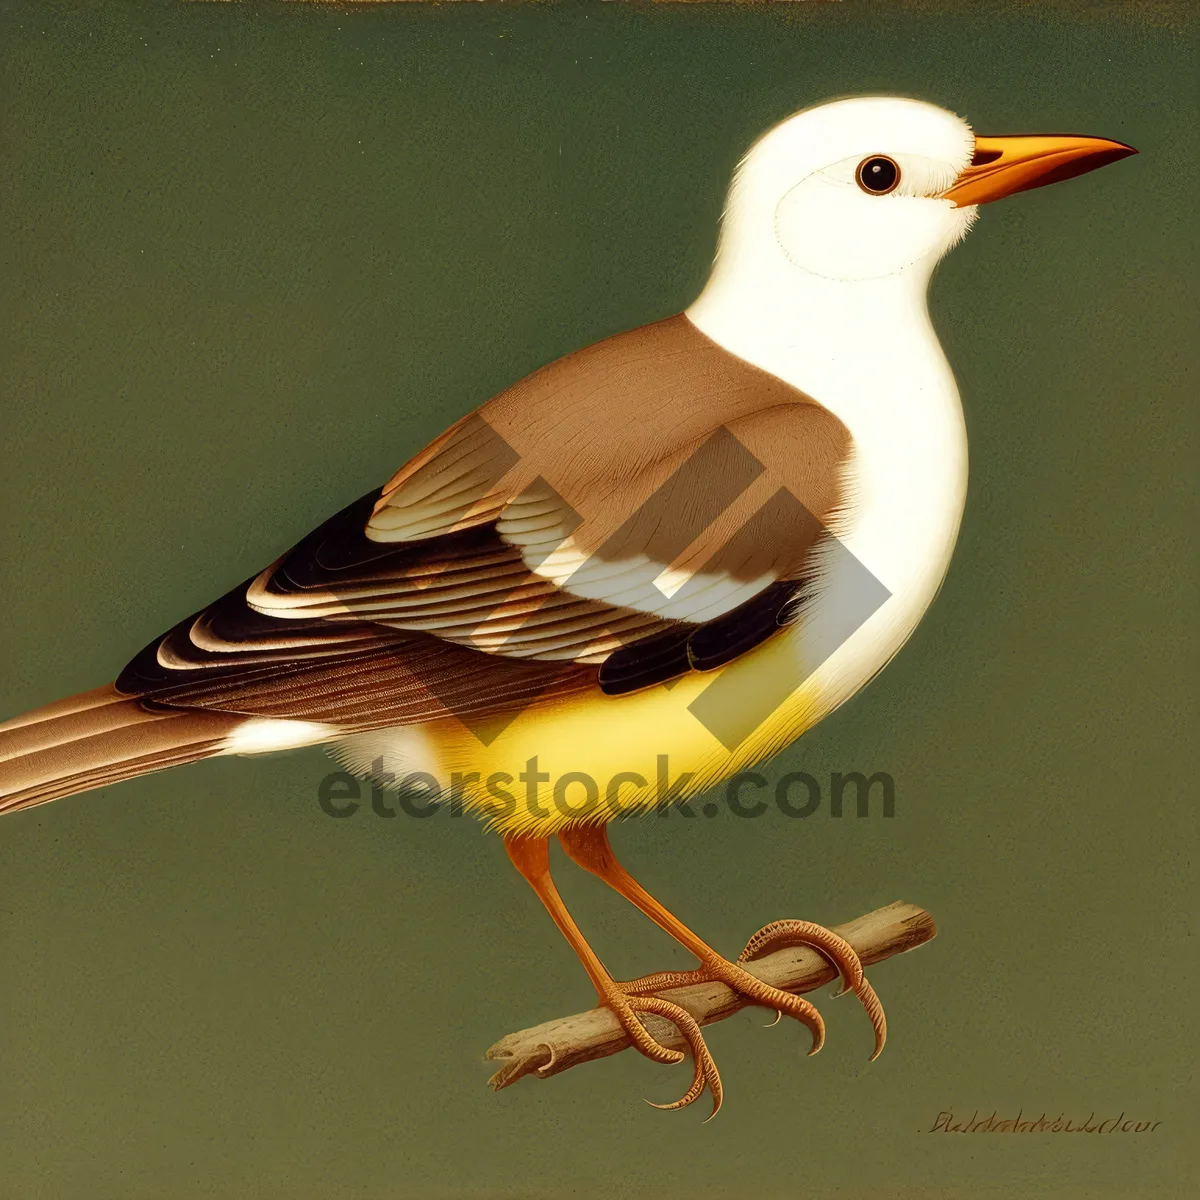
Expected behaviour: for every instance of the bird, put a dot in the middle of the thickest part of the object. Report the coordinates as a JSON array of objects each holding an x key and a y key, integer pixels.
[{"x": 656, "y": 561}]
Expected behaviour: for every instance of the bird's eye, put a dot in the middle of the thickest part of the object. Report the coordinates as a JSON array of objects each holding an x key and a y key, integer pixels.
[{"x": 878, "y": 175}]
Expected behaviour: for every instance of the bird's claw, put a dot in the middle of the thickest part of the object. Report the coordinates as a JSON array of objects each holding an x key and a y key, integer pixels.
[
  {"x": 780, "y": 935},
  {"x": 626, "y": 1006},
  {"x": 643, "y": 995},
  {"x": 738, "y": 979}
]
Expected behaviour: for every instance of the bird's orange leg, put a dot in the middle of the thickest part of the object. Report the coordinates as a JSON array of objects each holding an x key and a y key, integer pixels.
[
  {"x": 530, "y": 855},
  {"x": 588, "y": 845}
]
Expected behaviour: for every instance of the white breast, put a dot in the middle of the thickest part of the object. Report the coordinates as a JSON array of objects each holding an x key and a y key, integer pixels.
[{"x": 871, "y": 356}]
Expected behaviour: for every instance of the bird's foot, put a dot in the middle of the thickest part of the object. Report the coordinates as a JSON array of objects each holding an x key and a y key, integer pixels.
[
  {"x": 735, "y": 976},
  {"x": 626, "y": 1006},
  {"x": 780, "y": 935}
]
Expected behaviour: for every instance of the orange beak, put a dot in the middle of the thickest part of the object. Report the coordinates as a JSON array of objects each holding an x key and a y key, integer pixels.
[{"x": 1004, "y": 165}]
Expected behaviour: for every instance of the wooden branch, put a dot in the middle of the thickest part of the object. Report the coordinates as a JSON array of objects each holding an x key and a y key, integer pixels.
[{"x": 554, "y": 1046}]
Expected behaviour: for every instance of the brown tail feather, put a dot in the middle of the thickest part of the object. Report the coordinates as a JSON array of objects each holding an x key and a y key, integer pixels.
[{"x": 98, "y": 738}]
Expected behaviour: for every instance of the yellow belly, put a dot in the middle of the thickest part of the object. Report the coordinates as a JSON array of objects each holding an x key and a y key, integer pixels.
[{"x": 594, "y": 757}]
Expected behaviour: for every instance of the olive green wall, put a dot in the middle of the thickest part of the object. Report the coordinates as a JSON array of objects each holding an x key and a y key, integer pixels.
[{"x": 255, "y": 256}]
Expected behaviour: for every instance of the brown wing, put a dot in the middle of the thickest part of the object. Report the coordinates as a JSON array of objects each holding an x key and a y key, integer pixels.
[{"x": 639, "y": 509}]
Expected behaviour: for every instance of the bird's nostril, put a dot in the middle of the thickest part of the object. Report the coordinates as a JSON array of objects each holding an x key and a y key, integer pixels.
[{"x": 982, "y": 157}]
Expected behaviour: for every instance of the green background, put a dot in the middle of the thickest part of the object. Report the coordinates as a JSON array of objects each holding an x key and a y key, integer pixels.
[{"x": 254, "y": 257}]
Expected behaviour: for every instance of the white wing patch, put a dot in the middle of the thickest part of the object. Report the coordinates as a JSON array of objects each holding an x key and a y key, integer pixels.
[{"x": 265, "y": 735}]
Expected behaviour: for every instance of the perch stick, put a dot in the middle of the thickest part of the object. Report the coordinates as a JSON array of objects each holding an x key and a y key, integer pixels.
[{"x": 549, "y": 1048}]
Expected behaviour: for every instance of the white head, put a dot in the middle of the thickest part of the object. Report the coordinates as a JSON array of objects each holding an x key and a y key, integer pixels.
[
  {"x": 852, "y": 190},
  {"x": 842, "y": 211}
]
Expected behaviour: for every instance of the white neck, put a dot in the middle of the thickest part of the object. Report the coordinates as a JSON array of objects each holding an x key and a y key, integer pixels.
[{"x": 765, "y": 309}]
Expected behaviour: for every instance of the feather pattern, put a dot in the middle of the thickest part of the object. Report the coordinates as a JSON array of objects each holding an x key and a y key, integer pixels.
[
  {"x": 518, "y": 560},
  {"x": 486, "y": 574}
]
